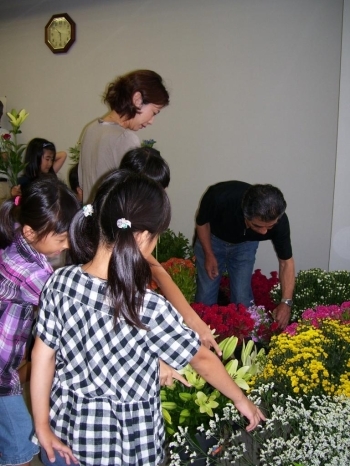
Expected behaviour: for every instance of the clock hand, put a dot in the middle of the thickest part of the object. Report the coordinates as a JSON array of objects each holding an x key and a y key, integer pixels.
[{"x": 59, "y": 32}]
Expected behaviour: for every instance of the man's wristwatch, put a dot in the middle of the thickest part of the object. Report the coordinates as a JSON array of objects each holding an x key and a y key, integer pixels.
[{"x": 289, "y": 302}]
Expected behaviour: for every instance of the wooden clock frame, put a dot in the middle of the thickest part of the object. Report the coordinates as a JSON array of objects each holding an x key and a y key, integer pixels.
[{"x": 72, "y": 37}]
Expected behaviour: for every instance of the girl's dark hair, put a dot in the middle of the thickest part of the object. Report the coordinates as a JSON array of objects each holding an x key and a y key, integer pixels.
[
  {"x": 263, "y": 201},
  {"x": 73, "y": 178},
  {"x": 34, "y": 152},
  {"x": 149, "y": 162},
  {"x": 47, "y": 205},
  {"x": 119, "y": 95},
  {"x": 143, "y": 202}
]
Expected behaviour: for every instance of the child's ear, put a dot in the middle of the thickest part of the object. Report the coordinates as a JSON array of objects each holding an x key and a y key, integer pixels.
[{"x": 28, "y": 233}]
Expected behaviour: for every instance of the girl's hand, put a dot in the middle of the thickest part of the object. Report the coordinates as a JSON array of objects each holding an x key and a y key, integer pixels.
[
  {"x": 50, "y": 443},
  {"x": 251, "y": 412},
  {"x": 167, "y": 375},
  {"x": 16, "y": 190},
  {"x": 207, "y": 338}
]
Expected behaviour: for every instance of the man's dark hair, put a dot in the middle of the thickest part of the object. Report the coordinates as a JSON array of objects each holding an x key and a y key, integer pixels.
[{"x": 263, "y": 201}]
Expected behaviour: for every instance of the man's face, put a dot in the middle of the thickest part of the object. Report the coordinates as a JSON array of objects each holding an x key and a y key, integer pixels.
[{"x": 259, "y": 226}]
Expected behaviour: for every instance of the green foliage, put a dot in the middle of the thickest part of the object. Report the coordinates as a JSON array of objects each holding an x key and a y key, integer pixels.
[
  {"x": 74, "y": 153},
  {"x": 316, "y": 287},
  {"x": 171, "y": 245},
  {"x": 11, "y": 162},
  {"x": 183, "y": 274},
  {"x": 11, "y": 159}
]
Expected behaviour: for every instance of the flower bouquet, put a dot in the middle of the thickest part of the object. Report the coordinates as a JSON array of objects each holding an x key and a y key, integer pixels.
[{"x": 11, "y": 157}]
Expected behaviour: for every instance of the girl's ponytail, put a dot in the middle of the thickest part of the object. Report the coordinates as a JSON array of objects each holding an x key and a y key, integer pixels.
[{"x": 84, "y": 235}]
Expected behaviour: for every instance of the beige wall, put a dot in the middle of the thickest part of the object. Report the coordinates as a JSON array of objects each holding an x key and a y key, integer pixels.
[{"x": 254, "y": 94}]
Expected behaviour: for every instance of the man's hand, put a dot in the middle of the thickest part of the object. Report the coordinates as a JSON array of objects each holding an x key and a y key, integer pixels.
[
  {"x": 281, "y": 314},
  {"x": 211, "y": 266}
]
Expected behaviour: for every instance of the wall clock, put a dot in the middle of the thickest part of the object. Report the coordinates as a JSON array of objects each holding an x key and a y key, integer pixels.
[{"x": 60, "y": 33}]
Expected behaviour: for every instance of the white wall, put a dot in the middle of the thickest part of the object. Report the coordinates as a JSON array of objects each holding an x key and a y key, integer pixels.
[
  {"x": 340, "y": 246},
  {"x": 254, "y": 93}
]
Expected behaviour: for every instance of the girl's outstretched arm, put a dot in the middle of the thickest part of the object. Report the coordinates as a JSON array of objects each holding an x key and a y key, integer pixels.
[
  {"x": 177, "y": 299},
  {"x": 211, "y": 369},
  {"x": 43, "y": 368},
  {"x": 60, "y": 158}
]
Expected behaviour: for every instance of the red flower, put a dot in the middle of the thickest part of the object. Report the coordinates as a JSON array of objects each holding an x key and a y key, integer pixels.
[
  {"x": 6, "y": 137},
  {"x": 226, "y": 320}
]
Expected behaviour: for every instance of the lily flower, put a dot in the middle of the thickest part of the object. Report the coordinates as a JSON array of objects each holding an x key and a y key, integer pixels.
[
  {"x": 17, "y": 118},
  {"x": 193, "y": 378},
  {"x": 239, "y": 376},
  {"x": 206, "y": 403},
  {"x": 228, "y": 347}
]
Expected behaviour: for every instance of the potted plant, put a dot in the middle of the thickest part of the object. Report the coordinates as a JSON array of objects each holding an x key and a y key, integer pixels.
[
  {"x": 11, "y": 153},
  {"x": 172, "y": 245}
]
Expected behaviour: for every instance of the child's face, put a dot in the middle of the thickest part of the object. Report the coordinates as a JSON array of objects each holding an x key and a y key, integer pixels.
[
  {"x": 52, "y": 244},
  {"x": 47, "y": 160}
]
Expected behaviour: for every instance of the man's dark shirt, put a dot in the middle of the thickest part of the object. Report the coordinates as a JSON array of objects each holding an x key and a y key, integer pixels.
[{"x": 221, "y": 207}]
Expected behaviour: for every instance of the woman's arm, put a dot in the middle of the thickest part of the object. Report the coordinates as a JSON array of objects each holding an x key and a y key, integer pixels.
[
  {"x": 177, "y": 299},
  {"x": 43, "y": 368},
  {"x": 60, "y": 158},
  {"x": 211, "y": 369}
]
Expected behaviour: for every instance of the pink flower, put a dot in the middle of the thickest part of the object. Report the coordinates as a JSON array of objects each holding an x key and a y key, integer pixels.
[{"x": 291, "y": 329}]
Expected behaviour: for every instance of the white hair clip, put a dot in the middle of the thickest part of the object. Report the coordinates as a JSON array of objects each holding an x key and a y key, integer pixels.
[
  {"x": 88, "y": 210},
  {"x": 123, "y": 223}
]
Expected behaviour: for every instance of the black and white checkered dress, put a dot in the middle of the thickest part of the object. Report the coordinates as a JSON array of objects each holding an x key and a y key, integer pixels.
[{"x": 105, "y": 397}]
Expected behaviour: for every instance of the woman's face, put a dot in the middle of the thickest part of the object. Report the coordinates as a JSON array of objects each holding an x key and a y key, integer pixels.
[
  {"x": 47, "y": 160},
  {"x": 144, "y": 118}
]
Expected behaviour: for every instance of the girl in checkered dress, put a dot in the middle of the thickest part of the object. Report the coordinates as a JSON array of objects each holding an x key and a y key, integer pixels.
[{"x": 101, "y": 331}]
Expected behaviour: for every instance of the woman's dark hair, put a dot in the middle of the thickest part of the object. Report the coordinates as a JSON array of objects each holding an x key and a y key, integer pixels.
[
  {"x": 47, "y": 205},
  {"x": 144, "y": 203},
  {"x": 34, "y": 152},
  {"x": 119, "y": 95},
  {"x": 147, "y": 161},
  {"x": 263, "y": 201}
]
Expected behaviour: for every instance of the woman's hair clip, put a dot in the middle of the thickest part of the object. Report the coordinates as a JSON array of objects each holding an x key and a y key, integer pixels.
[
  {"x": 17, "y": 200},
  {"x": 123, "y": 223},
  {"x": 88, "y": 210}
]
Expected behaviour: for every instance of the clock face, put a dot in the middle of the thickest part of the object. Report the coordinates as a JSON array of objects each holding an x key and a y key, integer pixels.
[{"x": 60, "y": 33}]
